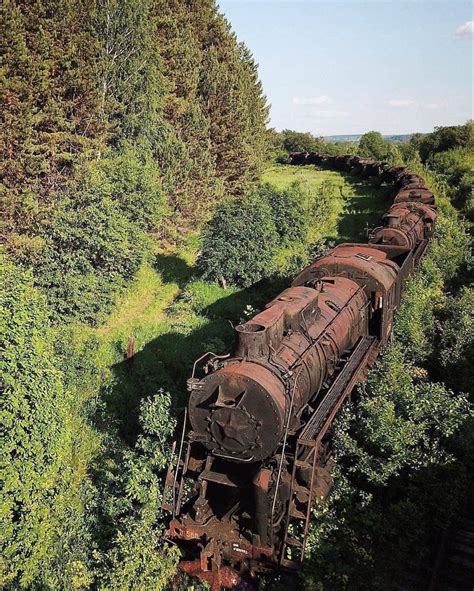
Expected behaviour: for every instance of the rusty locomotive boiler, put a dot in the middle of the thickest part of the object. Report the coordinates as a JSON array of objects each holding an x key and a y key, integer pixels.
[
  {"x": 254, "y": 452},
  {"x": 405, "y": 224},
  {"x": 280, "y": 363}
]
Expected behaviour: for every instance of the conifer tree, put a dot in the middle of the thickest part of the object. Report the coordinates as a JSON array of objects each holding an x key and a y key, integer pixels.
[
  {"x": 191, "y": 177},
  {"x": 233, "y": 101},
  {"x": 50, "y": 109}
]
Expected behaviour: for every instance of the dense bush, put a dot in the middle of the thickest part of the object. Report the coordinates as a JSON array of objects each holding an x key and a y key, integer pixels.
[
  {"x": 91, "y": 246},
  {"x": 290, "y": 209},
  {"x": 282, "y": 144},
  {"x": 242, "y": 246},
  {"x": 456, "y": 347},
  {"x": 239, "y": 242},
  {"x": 116, "y": 115},
  {"x": 295, "y": 141},
  {"x": 443, "y": 139},
  {"x": 456, "y": 168},
  {"x": 393, "y": 456},
  {"x": 108, "y": 91},
  {"x": 135, "y": 557}
]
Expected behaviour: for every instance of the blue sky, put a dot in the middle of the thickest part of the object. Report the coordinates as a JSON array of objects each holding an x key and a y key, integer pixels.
[{"x": 334, "y": 67}]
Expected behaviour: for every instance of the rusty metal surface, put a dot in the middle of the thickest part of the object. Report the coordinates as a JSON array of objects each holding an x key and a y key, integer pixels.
[
  {"x": 224, "y": 578},
  {"x": 257, "y": 453},
  {"x": 361, "y": 263},
  {"x": 239, "y": 409},
  {"x": 419, "y": 194},
  {"x": 406, "y": 224}
]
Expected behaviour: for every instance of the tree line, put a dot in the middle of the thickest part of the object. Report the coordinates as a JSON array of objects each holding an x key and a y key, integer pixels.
[{"x": 119, "y": 119}]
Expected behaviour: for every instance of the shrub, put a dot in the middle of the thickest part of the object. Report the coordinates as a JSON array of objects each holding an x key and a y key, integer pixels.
[
  {"x": 443, "y": 139},
  {"x": 137, "y": 557},
  {"x": 91, "y": 246},
  {"x": 295, "y": 141},
  {"x": 456, "y": 332},
  {"x": 290, "y": 211},
  {"x": 240, "y": 241},
  {"x": 455, "y": 167},
  {"x": 396, "y": 449},
  {"x": 392, "y": 459}
]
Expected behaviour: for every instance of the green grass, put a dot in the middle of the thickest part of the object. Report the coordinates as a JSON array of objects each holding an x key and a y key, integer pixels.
[
  {"x": 282, "y": 176},
  {"x": 360, "y": 204}
]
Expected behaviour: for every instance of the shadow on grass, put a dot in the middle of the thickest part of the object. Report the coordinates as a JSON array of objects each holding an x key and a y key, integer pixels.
[
  {"x": 363, "y": 209},
  {"x": 166, "y": 361},
  {"x": 174, "y": 269}
]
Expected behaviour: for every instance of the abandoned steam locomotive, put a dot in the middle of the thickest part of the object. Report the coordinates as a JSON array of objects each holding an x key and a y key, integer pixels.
[{"x": 254, "y": 450}]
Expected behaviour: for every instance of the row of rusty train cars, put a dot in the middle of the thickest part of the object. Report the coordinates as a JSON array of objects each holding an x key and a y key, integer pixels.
[{"x": 254, "y": 453}]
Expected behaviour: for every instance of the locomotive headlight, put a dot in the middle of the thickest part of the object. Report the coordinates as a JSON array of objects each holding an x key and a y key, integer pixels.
[{"x": 239, "y": 411}]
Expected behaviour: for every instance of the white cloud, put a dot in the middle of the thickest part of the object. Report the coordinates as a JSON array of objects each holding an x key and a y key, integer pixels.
[
  {"x": 327, "y": 114},
  {"x": 465, "y": 30},
  {"x": 401, "y": 103},
  {"x": 433, "y": 106},
  {"x": 312, "y": 100}
]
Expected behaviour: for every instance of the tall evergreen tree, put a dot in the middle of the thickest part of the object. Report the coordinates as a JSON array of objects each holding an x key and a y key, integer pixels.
[
  {"x": 190, "y": 175},
  {"x": 50, "y": 106},
  {"x": 233, "y": 101}
]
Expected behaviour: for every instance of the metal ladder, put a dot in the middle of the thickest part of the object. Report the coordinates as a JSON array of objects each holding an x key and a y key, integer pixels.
[
  {"x": 308, "y": 449},
  {"x": 174, "y": 481}
]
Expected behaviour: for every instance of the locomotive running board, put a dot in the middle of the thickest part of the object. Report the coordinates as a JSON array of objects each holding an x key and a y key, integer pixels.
[
  {"x": 420, "y": 252},
  {"x": 308, "y": 448},
  {"x": 339, "y": 390}
]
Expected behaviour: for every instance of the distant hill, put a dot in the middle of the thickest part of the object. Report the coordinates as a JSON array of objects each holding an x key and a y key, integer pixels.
[{"x": 355, "y": 138}]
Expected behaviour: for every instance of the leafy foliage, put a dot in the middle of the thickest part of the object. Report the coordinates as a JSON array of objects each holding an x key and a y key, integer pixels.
[
  {"x": 90, "y": 246},
  {"x": 443, "y": 139},
  {"x": 133, "y": 504},
  {"x": 136, "y": 100},
  {"x": 43, "y": 538},
  {"x": 289, "y": 210},
  {"x": 372, "y": 145},
  {"x": 240, "y": 240},
  {"x": 117, "y": 115},
  {"x": 455, "y": 167},
  {"x": 242, "y": 247},
  {"x": 456, "y": 331},
  {"x": 295, "y": 141}
]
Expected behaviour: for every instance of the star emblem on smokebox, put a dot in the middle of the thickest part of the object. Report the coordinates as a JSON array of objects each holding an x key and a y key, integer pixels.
[{"x": 234, "y": 429}]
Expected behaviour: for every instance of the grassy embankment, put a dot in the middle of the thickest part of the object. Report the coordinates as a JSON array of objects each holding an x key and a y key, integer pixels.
[{"x": 176, "y": 316}]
